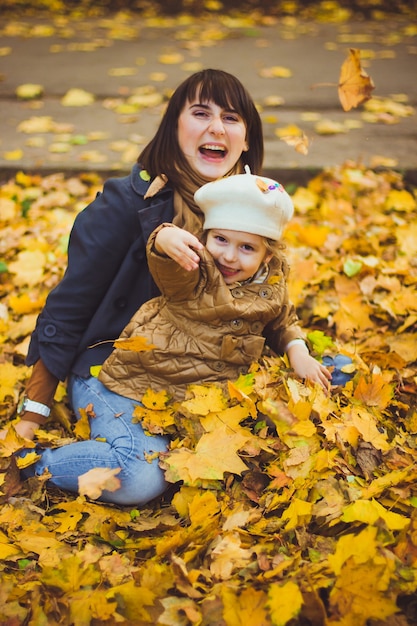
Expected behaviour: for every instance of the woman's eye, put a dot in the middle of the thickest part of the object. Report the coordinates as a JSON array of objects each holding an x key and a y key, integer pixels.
[
  {"x": 200, "y": 113},
  {"x": 247, "y": 248},
  {"x": 231, "y": 118}
]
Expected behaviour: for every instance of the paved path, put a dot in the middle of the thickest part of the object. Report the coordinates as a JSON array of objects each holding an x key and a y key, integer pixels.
[{"x": 111, "y": 59}]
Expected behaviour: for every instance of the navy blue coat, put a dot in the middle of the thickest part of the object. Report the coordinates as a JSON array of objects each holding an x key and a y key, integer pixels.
[{"x": 106, "y": 280}]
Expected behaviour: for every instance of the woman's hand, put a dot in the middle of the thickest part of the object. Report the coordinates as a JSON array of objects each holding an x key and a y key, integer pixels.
[
  {"x": 24, "y": 428},
  {"x": 179, "y": 245},
  {"x": 307, "y": 367}
]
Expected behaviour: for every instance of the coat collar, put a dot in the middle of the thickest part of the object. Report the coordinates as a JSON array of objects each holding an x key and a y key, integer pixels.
[
  {"x": 141, "y": 181},
  {"x": 155, "y": 210}
]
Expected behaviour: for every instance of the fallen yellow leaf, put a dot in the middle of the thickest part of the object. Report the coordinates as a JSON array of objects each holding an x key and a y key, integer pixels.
[
  {"x": 28, "y": 91},
  {"x": 97, "y": 480},
  {"x": 77, "y": 98}
]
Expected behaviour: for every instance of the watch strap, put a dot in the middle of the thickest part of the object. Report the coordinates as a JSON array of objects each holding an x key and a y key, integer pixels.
[{"x": 35, "y": 407}]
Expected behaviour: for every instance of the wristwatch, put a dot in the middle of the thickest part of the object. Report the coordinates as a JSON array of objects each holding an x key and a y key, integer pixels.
[{"x": 33, "y": 407}]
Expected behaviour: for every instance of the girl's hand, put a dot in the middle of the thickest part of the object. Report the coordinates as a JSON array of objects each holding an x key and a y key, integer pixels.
[
  {"x": 179, "y": 245},
  {"x": 307, "y": 367}
]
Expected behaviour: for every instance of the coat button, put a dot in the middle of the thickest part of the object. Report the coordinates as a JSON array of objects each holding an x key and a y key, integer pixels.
[
  {"x": 218, "y": 366},
  {"x": 236, "y": 324},
  {"x": 265, "y": 292},
  {"x": 50, "y": 330},
  {"x": 120, "y": 303},
  {"x": 257, "y": 327},
  {"x": 237, "y": 293}
]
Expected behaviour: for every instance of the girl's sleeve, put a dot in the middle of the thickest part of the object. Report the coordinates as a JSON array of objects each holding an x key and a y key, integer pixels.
[{"x": 173, "y": 281}]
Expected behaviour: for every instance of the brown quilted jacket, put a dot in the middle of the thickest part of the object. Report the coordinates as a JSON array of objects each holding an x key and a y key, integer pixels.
[{"x": 204, "y": 331}]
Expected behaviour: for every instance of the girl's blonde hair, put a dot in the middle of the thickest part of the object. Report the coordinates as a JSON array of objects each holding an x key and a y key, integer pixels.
[{"x": 274, "y": 247}]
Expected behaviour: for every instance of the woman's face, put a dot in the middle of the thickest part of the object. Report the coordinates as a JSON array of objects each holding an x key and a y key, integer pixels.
[{"x": 211, "y": 138}]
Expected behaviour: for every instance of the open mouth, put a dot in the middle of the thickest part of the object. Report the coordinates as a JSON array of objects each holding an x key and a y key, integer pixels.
[
  {"x": 213, "y": 151},
  {"x": 227, "y": 271}
]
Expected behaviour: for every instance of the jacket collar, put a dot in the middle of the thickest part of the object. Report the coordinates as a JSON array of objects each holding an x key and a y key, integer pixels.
[
  {"x": 140, "y": 181},
  {"x": 155, "y": 210}
]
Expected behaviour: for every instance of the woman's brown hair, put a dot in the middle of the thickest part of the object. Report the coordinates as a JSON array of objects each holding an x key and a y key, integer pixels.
[{"x": 163, "y": 155}]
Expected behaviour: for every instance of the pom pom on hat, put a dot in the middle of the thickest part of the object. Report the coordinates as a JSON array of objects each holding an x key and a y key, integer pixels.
[{"x": 246, "y": 202}]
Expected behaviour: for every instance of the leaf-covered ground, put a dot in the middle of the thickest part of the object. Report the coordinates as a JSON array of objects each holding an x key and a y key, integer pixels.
[
  {"x": 287, "y": 507},
  {"x": 303, "y": 8}
]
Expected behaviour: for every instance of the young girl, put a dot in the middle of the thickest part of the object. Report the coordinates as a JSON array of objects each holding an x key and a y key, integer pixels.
[{"x": 220, "y": 302}]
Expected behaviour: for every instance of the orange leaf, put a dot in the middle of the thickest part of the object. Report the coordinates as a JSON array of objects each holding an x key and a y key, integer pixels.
[
  {"x": 82, "y": 427},
  {"x": 355, "y": 86},
  {"x": 136, "y": 344},
  {"x": 374, "y": 392},
  {"x": 96, "y": 480},
  {"x": 300, "y": 143}
]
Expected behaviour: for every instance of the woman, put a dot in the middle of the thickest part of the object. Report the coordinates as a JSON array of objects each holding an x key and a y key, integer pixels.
[{"x": 211, "y": 129}]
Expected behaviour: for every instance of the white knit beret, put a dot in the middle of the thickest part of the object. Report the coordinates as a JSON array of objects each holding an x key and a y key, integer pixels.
[{"x": 245, "y": 202}]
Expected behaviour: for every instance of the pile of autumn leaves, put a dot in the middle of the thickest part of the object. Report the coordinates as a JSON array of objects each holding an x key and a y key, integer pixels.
[{"x": 288, "y": 507}]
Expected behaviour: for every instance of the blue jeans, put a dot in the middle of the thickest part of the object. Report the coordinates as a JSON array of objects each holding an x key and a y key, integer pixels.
[{"x": 115, "y": 442}]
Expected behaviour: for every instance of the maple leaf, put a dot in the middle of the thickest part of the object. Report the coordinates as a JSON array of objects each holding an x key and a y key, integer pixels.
[
  {"x": 97, "y": 480},
  {"x": 27, "y": 460},
  {"x": 285, "y": 602},
  {"x": 136, "y": 597},
  {"x": 353, "y": 314},
  {"x": 91, "y": 604},
  {"x": 228, "y": 555},
  {"x": 179, "y": 612},
  {"x": 404, "y": 345},
  {"x": 28, "y": 267},
  {"x": 82, "y": 427},
  {"x": 215, "y": 454},
  {"x": 135, "y": 344},
  {"x": 355, "y": 586},
  {"x": 377, "y": 486},
  {"x": 298, "y": 513},
  {"x": 231, "y": 416},
  {"x": 207, "y": 399},
  {"x": 244, "y": 607},
  {"x": 362, "y": 546},
  {"x": 71, "y": 575},
  {"x": 23, "y": 303},
  {"x": 240, "y": 391},
  {"x": 154, "y": 421},
  {"x": 12, "y": 442},
  {"x": 370, "y": 511},
  {"x": 300, "y": 143},
  {"x": 355, "y": 86},
  {"x": 374, "y": 391},
  {"x": 10, "y": 376}
]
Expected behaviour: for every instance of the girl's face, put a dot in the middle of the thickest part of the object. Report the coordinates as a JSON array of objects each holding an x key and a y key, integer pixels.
[
  {"x": 211, "y": 138},
  {"x": 237, "y": 255}
]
